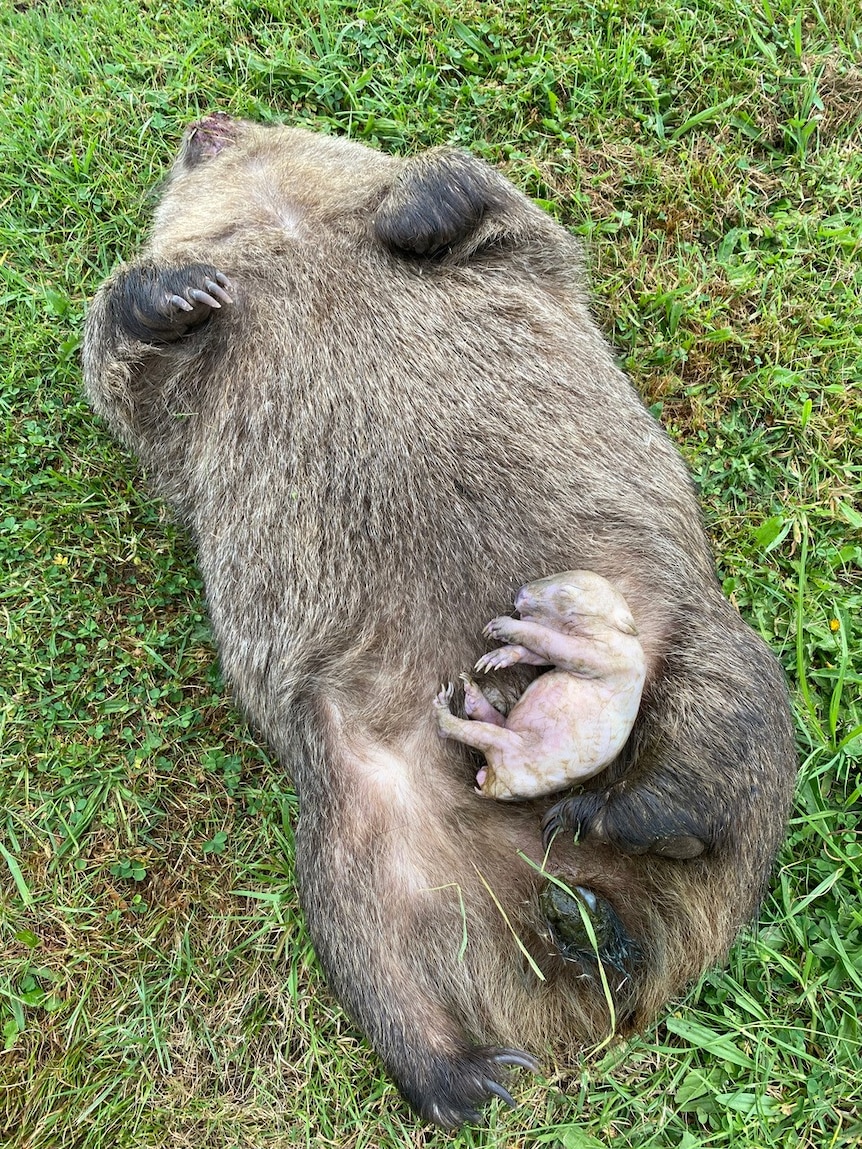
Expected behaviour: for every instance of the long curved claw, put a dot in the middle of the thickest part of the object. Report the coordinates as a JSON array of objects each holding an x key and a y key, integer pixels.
[
  {"x": 491, "y": 661},
  {"x": 552, "y": 824},
  {"x": 444, "y": 696},
  {"x": 497, "y": 1089},
  {"x": 459, "y": 1089},
  {"x": 217, "y": 291},
  {"x": 199, "y": 296},
  {"x": 178, "y": 301},
  {"x": 518, "y": 1058}
]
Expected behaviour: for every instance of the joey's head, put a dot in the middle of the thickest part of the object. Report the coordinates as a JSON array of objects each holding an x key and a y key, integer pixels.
[{"x": 572, "y": 595}]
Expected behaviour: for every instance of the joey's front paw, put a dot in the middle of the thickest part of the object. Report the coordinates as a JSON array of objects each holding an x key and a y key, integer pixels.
[
  {"x": 501, "y": 658},
  {"x": 490, "y": 661},
  {"x": 163, "y": 304},
  {"x": 634, "y": 821},
  {"x": 500, "y": 628}
]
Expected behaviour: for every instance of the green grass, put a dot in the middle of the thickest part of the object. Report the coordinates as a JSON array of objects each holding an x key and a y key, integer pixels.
[{"x": 157, "y": 987}]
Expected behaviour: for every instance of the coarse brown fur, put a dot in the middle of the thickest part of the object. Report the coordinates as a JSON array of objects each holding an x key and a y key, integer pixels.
[{"x": 404, "y": 413}]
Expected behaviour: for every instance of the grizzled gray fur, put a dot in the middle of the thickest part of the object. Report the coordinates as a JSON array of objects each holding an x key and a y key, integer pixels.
[{"x": 373, "y": 390}]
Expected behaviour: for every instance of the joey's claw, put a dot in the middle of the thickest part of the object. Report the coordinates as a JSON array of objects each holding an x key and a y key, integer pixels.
[
  {"x": 224, "y": 281},
  {"x": 177, "y": 301},
  {"x": 444, "y": 696},
  {"x": 489, "y": 630}
]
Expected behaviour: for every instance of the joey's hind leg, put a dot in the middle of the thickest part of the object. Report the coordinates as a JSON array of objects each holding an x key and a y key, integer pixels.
[
  {"x": 482, "y": 736},
  {"x": 161, "y": 304},
  {"x": 477, "y": 706}
]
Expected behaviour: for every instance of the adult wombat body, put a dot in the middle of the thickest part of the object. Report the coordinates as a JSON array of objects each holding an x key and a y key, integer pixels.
[{"x": 374, "y": 392}]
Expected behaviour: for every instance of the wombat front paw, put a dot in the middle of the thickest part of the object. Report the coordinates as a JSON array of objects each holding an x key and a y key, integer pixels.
[
  {"x": 498, "y": 628},
  {"x": 213, "y": 294},
  {"x": 635, "y": 822},
  {"x": 163, "y": 304},
  {"x": 455, "y": 1091}
]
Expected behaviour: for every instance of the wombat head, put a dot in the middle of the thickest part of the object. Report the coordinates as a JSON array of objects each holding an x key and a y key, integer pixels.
[
  {"x": 575, "y": 594},
  {"x": 235, "y": 181}
]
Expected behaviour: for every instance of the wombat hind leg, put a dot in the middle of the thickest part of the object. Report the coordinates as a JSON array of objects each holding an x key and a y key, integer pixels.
[
  {"x": 564, "y": 912},
  {"x": 575, "y": 814},
  {"x": 455, "y": 1091},
  {"x": 634, "y": 822},
  {"x": 381, "y": 886}
]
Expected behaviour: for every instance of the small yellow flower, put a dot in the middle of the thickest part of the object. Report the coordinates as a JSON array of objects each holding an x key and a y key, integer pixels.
[
  {"x": 834, "y": 624},
  {"x": 60, "y": 561}
]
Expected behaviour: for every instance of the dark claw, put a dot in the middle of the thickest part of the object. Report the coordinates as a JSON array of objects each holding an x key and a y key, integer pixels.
[
  {"x": 216, "y": 291},
  {"x": 577, "y": 815},
  {"x": 201, "y": 297},
  {"x": 516, "y": 1057},
  {"x": 550, "y": 829},
  {"x": 497, "y": 1089},
  {"x": 456, "y": 1091},
  {"x": 156, "y": 304}
]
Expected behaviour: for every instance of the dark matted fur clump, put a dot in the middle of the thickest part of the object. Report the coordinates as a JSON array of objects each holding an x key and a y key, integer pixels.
[{"x": 373, "y": 390}]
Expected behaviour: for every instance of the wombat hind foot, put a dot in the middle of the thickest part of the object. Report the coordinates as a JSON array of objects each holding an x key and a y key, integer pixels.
[
  {"x": 564, "y": 912},
  {"x": 455, "y": 1091},
  {"x": 634, "y": 822}
]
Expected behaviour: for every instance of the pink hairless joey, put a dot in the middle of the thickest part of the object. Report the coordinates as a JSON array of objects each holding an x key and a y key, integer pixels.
[{"x": 571, "y": 722}]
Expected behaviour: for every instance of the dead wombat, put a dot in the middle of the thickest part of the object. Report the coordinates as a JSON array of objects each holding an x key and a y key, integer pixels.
[{"x": 373, "y": 390}]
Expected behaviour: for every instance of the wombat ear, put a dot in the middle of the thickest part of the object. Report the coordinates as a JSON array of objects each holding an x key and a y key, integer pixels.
[{"x": 440, "y": 200}]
